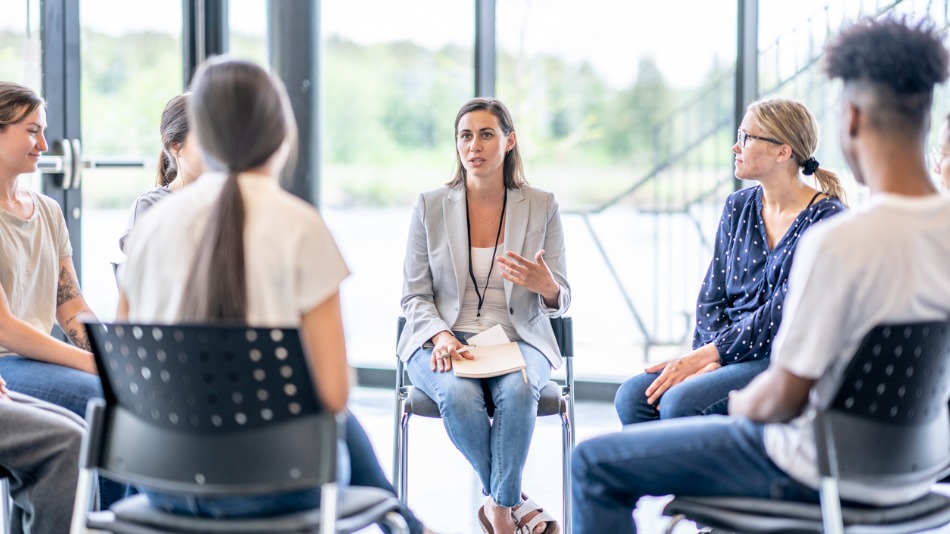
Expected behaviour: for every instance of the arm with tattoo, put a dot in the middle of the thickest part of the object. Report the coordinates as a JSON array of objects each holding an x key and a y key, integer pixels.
[{"x": 71, "y": 307}]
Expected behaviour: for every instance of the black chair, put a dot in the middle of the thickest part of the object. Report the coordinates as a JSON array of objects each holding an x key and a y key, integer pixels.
[
  {"x": 884, "y": 421},
  {"x": 215, "y": 410},
  {"x": 555, "y": 400},
  {"x": 5, "y": 504}
]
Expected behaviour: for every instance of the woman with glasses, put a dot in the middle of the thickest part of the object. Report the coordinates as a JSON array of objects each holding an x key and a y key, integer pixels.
[
  {"x": 940, "y": 155},
  {"x": 739, "y": 307}
]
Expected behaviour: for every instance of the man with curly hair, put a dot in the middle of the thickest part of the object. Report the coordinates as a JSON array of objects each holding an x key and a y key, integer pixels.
[{"x": 884, "y": 264}]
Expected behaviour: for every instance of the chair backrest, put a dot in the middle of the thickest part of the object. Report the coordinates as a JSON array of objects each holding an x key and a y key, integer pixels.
[
  {"x": 208, "y": 409},
  {"x": 887, "y": 414}
]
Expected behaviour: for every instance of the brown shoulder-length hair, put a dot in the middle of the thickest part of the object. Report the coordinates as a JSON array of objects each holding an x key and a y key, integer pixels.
[
  {"x": 512, "y": 170},
  {"x": 16, "y": 103},
  {"x": 242, "y": 117},
  {"x": 174, "y": 129}
]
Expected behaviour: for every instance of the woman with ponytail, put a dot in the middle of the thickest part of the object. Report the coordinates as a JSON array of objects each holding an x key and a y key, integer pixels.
[
  {"x": 246, "y": 251},
  {"x": 179, "y": 163},
  {"x": 739, "y": 308}
]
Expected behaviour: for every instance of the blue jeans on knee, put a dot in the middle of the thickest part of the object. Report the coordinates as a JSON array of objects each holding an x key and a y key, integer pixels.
[
  {"x": 66, "y": 387},
  {"x": 498, "y": 448},
  {"x": 692, "y": 456},
  {"x": 705, "y": 394}
]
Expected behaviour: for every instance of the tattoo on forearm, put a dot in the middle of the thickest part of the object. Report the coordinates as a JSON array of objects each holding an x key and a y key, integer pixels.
[
  {"x": 79, "y": 338},
  {"x": 68, "y": 288}
]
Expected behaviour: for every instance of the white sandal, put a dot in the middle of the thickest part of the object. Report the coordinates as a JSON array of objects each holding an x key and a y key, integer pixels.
[{"x": 526, "y": 508}]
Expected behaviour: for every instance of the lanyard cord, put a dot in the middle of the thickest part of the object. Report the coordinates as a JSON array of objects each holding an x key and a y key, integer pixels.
[{"x": 471, "y": 270}]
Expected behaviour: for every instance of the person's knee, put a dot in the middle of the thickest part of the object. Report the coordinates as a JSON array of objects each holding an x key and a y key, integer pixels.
[
  {"x": 630, "y": 400},
  {"x": 682, "y": 400},
  {"x": 460, "y": 398}
]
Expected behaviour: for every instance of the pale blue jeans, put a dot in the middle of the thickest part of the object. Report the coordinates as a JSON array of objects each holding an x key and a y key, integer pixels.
[{"x": 497, "y": 448}]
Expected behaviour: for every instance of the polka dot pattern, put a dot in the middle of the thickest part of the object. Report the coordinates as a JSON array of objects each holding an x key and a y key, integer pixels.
[
  {"x": 739, "y": 308},
  {"x": 205, "y": 378}
]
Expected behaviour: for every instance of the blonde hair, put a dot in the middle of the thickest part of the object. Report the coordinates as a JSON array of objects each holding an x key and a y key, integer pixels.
[{"x": 791, "y": 123}]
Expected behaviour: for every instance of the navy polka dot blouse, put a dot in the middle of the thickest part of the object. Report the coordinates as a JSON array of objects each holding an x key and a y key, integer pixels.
[{"x": 739, "y": 308}]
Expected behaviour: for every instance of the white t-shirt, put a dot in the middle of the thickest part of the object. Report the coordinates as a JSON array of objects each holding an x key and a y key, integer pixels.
[
  {"x": 886, "y": 264},
  {"x": 30, "y": 252},
  {"x": 291, "y": 260},
  {"x": 495, "y": 305}
]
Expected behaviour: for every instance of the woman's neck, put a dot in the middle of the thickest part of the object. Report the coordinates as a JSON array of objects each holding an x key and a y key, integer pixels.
[
  {"x": 9, "y": 187},
  {"x": 786, "y": 194},
  {"x": 484, "y": 189}
]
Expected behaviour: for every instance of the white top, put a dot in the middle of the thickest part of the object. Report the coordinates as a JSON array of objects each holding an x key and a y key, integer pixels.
[
  {"x": 887, "y": 264},
  {"x": 495, "y": 306},
  {"x": 291, "y": 260},
  {"x": 30, "y": 252}
]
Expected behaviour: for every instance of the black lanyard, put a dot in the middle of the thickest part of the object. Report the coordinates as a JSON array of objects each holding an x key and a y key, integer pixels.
[{"x": 471, "y": 271}]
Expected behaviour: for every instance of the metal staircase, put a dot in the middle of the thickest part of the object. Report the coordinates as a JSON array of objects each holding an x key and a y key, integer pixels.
[{"x": 676, "y": 204}]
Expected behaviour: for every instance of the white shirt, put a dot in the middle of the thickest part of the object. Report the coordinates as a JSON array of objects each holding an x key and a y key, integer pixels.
[
  {"x": 887, "y": 264},
  {"x": 495, "y": 306},
  {"x": 291, "y": 260}
]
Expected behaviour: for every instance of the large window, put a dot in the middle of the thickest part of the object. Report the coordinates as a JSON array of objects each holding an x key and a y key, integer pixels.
[
  {"x": 131, "y": 65},
  {"x": 633, "y": 136},
  {"x": 20, "y": 50},
  {"x": 393, "y": 76}
]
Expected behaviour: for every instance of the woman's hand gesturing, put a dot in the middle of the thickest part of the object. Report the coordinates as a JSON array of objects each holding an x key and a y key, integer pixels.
[{"x": 532, "y": 275}]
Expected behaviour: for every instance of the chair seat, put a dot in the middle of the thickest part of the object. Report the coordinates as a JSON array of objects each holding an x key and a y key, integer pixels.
[
  {"x": 359, "y": 508},
  {"x": 420, "y": 404},
  {"x": 766, "y": 515}
]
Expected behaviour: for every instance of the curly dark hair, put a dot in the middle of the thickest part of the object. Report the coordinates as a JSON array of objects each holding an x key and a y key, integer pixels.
[{"x": 907, "y": 57}]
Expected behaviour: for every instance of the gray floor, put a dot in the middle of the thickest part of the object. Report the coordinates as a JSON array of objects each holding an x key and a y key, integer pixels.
[{"x": 443, "y": 489}]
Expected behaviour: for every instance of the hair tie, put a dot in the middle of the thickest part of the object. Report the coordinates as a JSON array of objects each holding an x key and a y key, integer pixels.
[{"x": 810, "y": 166}]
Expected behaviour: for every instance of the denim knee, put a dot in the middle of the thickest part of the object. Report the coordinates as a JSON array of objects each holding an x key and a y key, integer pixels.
[
  {"x": 685, "y": 400},
  {"x": 631, "y": 400}
]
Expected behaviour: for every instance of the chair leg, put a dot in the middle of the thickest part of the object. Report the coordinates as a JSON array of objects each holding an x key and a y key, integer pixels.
[
  {"x": 832, "y": 522},
  {"x": 398, "y": 444},
  {"x": 402, "y": 459},
  {"x": 567, "y": 449},
  {"x": 5, "y": 508},
  {"x": 396, "y": 523},
  {"x": 329, "y": 508},
  {"x": 87, "y": 497}
]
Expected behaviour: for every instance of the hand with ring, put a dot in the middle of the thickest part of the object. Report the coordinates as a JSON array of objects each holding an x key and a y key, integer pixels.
[{"x": 446, "y": 348}]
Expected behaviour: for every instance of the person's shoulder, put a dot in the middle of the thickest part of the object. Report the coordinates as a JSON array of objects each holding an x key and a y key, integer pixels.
[
  {"x": 743, "y": 197},
  {"x": 45, "y": 203},
  {"x": 530, "y": 192}
]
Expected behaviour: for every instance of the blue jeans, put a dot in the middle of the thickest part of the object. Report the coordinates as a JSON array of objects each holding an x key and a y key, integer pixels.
[
  {"x": 694, "y": 456},
  {"x": 498, "y": 448},
  {"x": 363, "y": 470},
  {"x": 705, "y": 394},
  {"x": 66, "y": 387}
]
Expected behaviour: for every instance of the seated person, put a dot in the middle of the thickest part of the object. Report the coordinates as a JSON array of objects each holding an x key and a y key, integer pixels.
[
  {"x": 739, "y": 308},
  {"x": 250, "y": 253},
  {"x": 886, "y": 264},
  {"x": 39, "y": 455},
  {"x": 179, "y": 164},
  {"x": 37, "y": 277}
]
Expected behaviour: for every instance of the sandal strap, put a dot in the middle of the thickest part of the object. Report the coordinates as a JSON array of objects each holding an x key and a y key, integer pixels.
[{"x": 527, "y": 507}]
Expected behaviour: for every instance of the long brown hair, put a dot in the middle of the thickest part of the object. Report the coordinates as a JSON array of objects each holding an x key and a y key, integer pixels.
[
  {"x": 790, "y": 122},
  {"x": 16, "y": 103},
  {"x": 242, "y": 117},
  {"x": 174, "y": 129},
  {"x": 512, "y": 170}
]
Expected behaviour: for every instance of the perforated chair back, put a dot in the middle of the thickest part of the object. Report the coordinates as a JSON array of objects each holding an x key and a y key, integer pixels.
[
  {"x": 884, "y": 419},
  {"x": 893, "y": 394},
  {"x": 208, "y": 410}
]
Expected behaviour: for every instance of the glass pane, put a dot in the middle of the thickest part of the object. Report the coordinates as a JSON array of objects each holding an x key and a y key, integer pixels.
[
  {"x": 131, "y": 54},
  {"x": 20, "y": 53},
  {"x": 247, "y": 24},
  {"x": 633, "y": 136},
  {"x": 390, "y": 94}
]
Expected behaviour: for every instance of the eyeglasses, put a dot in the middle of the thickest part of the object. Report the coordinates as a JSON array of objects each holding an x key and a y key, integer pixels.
[{"x": 742, "y": 137}]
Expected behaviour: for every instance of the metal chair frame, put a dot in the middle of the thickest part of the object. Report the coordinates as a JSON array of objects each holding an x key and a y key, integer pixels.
[
  {"x": 410, "y": 400},
  {"x": 884, "y": 420},
  {"x": 209, "y": 411}
]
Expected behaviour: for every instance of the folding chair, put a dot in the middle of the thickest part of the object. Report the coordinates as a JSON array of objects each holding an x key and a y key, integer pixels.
[
  {"x": 5, "y": 504},
  {"x": 884, "y": 421},
  {"x": 555, "y": 400},
  {"x": 213, "y": 411}
]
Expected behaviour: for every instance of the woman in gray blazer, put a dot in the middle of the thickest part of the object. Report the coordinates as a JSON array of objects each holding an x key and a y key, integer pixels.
[{"x": 485, "y": 250}]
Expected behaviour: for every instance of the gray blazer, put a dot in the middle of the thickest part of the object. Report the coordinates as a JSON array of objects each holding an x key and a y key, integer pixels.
[{"x": 436, "y": 268}]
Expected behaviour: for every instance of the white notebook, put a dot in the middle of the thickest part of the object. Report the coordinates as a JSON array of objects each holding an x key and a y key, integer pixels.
[{"x": 494, "y": 356}]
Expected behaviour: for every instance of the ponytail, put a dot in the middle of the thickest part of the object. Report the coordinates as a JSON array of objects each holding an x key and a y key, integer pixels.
[
  {"x": 217, "y": 284},
  {"x": 830, "y": 185},
  {"x": 167, "y": 170}
]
